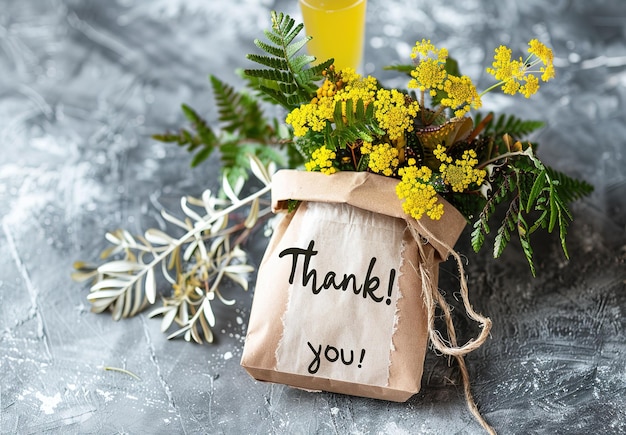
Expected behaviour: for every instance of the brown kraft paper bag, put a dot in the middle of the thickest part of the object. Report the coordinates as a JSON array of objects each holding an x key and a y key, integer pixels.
[{"x": 339, "y": 304}]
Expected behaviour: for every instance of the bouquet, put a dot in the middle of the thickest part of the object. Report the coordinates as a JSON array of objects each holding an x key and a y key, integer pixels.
[{"x": 436, "y": 156}]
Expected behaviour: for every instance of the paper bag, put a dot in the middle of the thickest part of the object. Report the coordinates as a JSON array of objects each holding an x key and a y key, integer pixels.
[{"x": 338, "y": 302}]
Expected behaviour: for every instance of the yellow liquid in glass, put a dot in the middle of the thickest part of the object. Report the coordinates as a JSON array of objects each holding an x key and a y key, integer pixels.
[{"x": 337, "y": 28}]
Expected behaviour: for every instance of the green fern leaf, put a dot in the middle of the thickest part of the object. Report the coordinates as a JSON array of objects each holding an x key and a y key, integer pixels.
[
  {"x": 570, "y": 189},
  {"x": 478, "y": 235},
  {"x": 272, "y": 62},
  {"x": 286, "y": 72},
  {"x": 271, "y": 49},
  {"x": 509, "y": 124}
]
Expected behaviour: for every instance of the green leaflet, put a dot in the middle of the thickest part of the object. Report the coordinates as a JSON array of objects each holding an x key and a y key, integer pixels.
[
  {"x": 287, "y": 79},
  {"x": 531, "y": 189}
]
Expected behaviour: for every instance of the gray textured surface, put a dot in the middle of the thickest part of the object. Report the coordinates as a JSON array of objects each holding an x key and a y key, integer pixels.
[{"x": 82, "y": 86}]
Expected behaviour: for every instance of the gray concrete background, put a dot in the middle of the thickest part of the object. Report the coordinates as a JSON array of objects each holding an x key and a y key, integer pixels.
[{"x": 83, "y": 84}]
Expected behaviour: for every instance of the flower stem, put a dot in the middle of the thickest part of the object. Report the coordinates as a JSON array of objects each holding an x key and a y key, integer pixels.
[
  {"x": 502, "y": 156},
  {"x": 491, "y": 88}
]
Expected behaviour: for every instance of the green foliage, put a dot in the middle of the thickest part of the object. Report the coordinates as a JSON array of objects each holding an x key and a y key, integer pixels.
[
  {"x": 537, "y": 197},
  {"x": 508, "y": 124},
  {"x": 244, "y": 132},
  {"x": 451, "y": 67},
  {"x": 203, "y": 139},
  {"x": 359, "y": 123},
  {"x": 288, "y": 78}
]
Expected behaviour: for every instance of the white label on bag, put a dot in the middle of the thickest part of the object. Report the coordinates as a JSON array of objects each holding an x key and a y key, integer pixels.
[{"x": 343, "y": 289}]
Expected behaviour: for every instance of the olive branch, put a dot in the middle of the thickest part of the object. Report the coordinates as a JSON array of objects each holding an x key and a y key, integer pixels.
[{"x": 209, "y": 251}]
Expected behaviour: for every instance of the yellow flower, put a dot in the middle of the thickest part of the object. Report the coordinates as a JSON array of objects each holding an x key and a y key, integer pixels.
[
  {"x": 383, "y": 159},
  {"x": 430, "y": 73},
  {"x": 511, "y": 73},
  {"x": 530, "y": 87},
  {"x": 419, "y": 197},
  {"x": 322, "y": 161},
  {"x": 440, "y": 154},
  {"x": 462, "y": 173},
  {"x": 315, "y": 114},
  {"x": 425, "y": 47},
  {"x": 366, "y": 148},
  {"x": 355, "y": 88},
  {"x": 462, "y": 95},
  {"x": 541, "y": 51},
  {"x": 393, "y": 113}
]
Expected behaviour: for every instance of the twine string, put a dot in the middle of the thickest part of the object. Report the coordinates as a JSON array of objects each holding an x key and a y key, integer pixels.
[{"x": 432, "y": 299}]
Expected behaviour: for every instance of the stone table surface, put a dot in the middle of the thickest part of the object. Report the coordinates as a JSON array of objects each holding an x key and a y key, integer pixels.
[{"x": 83, "y": 85}]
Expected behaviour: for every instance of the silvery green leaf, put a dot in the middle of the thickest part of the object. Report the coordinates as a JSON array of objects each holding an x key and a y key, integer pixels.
[
  {"x": 140, "y": 299},
  {"x": 219, "y": 224},
  {"x": 194, "y": 334},
  {"x": 208, "y": 202},
  {"x": 101, "y": 305},
  {"x": 253, "y": 215},
  {"x": 112, "y": 238},
  {"x": 239, "y": 253},
  {"x": 184, "y": 312},
  {"x": 259, "y": 170},
  {"x": 168, "y": 217},
  {"x": 118, "y": 307},
  {"x": 109, "y": 283},
  {"x": 165, "y": 272},
  {"x": 158, "y": 237},
  {"x": 110, "y": 251},
  {"x": 195, "y": 201},
  {"x": 202, "y": 248},
  {"x": 215, "y": 244},
  {"x": 104, "y": 294},
  {"x": 208, "y": 335},
  {"x": 208, "y": 312},
  {"x": 120, "y": 266},
  {"x": 128, "y": 238},
  {"x": 190, "y": 250},
  {"x": 128, "y": 303},
  {"x": 150, "y": 286},
  {"x": 83, "y": 276},
  {"x": 178, "y": 332},
  {"x": 188, "y": 211},
  {"x": 229, "y": 190},
  {"x": 239, "y": 268},
  {"x": 160, "y": 310},
  {"x": 168, "y": 319},
  {"x": 239, "y": 279},
  {"x": 223, "y": 299}
]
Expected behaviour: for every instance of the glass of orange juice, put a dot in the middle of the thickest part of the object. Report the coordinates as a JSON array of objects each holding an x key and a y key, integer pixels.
[{"x": 337, "y": 28}]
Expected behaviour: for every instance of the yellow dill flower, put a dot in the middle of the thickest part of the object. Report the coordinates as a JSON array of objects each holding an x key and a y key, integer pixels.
[
  {"x": 462, "y": 173},
  {"x": 425, "y": 47},
  {"x": 383, "y": 159},
  {"x": 510, "y": 73},
  {"x": 462, "y": 95},
  {"x": 545, "y": 55},
  {"x": 429, "y": 73},
  {"x": 541, "y": 51},
  {"x": 309, "y": 116},
  {"x": 322, "y": 161},
  {"x": 298, "y": 120},
  {"x": 393, "y": 113},
  {"x": 530, "y": 87},
  {"x": 419, "y": 196},
  {"x": 366, "y": 148},
  {"x": 440, "y": 154},
  {"x": 349, "y": 75},
  {"x": 356, "y": 88}
]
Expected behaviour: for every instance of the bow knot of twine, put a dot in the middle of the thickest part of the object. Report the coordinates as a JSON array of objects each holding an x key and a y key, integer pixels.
[{"x": 432, "y": 299}]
